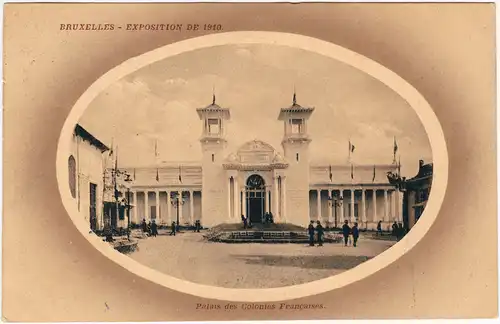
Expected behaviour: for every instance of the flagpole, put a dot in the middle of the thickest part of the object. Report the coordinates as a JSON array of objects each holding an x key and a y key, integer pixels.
[{"x": 349, "y": 157}]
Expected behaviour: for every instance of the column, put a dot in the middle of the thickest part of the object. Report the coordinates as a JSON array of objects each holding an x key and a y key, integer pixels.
[
  {"x": 275, "y": 199},
  {"x": 146, "y": 203},
  {"x": 386, "y": 207},
  {"x": 353, "y": 218},
  {"x": 341, "y": 207},
  {"x": 283, "y": 190},
  {"x": 393, "y": 206},
  {"x": 330, "y": 206},
  {"x": 375, "y": 206},
  {"x": 229, "y": 198},
  {"x": 399, "y": 203},
  {"x": 157, "y": 195},
  {"x": 191, "y": 206},
  {"x": 318, "y": 208},
  {"x": 169, "y": 208},
  {"x": 236, "y": 198},
  {"x": 243, "y": 203},
  {"x": 134, "y": 209},
  {"x": 180, "y": 207},
  {"x": 363, "y": 206},
  {"x": 266, "y": 198}
]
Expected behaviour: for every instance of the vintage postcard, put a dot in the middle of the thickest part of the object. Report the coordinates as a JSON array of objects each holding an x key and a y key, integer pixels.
[{"x": 203, "y": 161}]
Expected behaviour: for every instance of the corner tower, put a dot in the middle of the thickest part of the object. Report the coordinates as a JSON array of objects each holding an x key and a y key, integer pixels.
[
  {"x": 296, "y": 149},
  {"x": 214, "y": 183}
]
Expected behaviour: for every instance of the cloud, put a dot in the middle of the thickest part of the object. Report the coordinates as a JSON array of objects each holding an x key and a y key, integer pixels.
[{"x": 159, "y": 103}]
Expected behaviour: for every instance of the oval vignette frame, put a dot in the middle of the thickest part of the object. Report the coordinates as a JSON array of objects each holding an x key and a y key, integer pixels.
[{"x": 370, "y": 67}]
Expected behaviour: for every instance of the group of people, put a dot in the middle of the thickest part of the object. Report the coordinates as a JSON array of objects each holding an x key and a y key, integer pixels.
[
  {"x": 347, "y": 231},
  {"x": 174, "y": 228},
  {"x": 150, "y": 228},
  {"x": 319, "y": 230},
  {"x": 398, "y": 230},
  {"x": 267, "y": 218}
]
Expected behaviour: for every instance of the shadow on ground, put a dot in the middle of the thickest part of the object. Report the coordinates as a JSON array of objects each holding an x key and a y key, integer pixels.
[{"x": 340, "y": 262}]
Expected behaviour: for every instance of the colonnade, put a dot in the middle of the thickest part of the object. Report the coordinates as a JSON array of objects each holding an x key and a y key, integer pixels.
[
  {"x": 171, "y": 215},
  {"x": 392, "y": 205}
]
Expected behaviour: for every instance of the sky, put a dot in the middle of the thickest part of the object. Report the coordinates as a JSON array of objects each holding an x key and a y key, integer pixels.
[{"x": 158, "y": 104}]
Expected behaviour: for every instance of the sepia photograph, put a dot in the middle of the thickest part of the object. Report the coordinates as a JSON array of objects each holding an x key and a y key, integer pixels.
[{"x": 250, "y": 166}]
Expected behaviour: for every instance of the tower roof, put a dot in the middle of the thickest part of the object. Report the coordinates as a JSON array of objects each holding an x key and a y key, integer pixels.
[
  {"x": 295, "y": 108},
  {"x": 213, "y": 107}
]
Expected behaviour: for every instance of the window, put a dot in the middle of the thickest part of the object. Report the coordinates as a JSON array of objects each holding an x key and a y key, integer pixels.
[
  {"x": 297, "y": 157},
  {"x": 296, "y": 126},
  {"x": 72, "y": 175},
  {"x": 213, "y": 126},
  {"x": 213, "y": 157}
]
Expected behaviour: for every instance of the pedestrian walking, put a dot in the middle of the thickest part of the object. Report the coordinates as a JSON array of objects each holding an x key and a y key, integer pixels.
[
  {"x": 379, "y": 228},
  {"x": 355, "y": 234},
  {"x": 149, "y": 228},
  {"x": 321, "y": 232},
  {"x": 144, "y": 226},
  {"x": 310, "y": 229},
  {"x": 346, "y": 230},
  {"x": 172, "y": 232},
  {"x": 154, "y": 229}
]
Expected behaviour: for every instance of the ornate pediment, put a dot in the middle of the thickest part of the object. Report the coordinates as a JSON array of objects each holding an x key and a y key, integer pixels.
[{"x": 255, "y": 155}]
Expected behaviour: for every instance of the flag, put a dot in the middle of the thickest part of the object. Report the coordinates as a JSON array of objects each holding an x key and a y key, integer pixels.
[
  {"x": 330, "y": 174},
  {"x": 180, "y": 178},
  {"x": 111, "y": 149},
  {"x": 156, "y": 148},
  {"x": 157, "y": 175},
  {"x": 352, "y": 171},
  {"x": 373, "y": 180},
  {"x": 395, "y": 149},
  {"x": 351, "y": 147}
]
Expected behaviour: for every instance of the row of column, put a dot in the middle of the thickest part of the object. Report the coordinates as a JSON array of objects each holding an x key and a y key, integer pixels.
[
  {"x": 396, "y": 205},
  {"x": 147, "y": 216}
]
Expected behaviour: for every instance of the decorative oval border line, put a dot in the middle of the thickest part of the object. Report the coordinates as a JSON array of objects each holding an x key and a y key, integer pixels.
[{"x": 379, "y": 72}]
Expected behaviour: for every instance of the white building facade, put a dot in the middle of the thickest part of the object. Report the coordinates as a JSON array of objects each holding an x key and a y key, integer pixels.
[
  {"x": 85, "y": 168},
  {"x": 258, "y": 178}
]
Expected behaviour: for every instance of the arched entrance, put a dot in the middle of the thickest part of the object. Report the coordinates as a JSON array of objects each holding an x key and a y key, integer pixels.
[{"x": 255, "y": 195}]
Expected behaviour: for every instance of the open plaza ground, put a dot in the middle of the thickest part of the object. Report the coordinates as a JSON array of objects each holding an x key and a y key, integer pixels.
[{"x": 190, "y": 257}]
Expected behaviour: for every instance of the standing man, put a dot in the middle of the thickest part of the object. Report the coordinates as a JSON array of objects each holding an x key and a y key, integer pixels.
[
  {"x": 310, "y": 229},
  {"x": 355, "y": 234},
  {"x": 379, "y": 228},
  {"x": 395, "y": 229},
  {"x": 346, "y": 230},
  {"x": 321, "y": 232},
  {"x": 244, "y": 220}
]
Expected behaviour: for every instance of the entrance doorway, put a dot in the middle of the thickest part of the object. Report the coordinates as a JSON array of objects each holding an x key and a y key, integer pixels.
[{"x": 255, "y": 196}]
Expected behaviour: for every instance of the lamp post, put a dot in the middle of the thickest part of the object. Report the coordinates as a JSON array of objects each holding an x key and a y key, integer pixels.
[
  {"x": 176, "y": 200},
  {"x": 128, "y": 179},
  {"x": 336, "y": 203}
]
